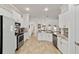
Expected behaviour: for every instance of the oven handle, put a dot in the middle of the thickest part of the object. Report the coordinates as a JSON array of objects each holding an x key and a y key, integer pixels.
[{"x": 21, "y": 35}]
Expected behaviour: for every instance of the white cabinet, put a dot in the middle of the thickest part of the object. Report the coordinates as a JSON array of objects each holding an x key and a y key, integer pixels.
[
  {"x": 77, "y": 49},
  {"x": 59, "y": 44},
  {"x": 18, "y": 18},
  {"x": 26, "y": 18},
  {"x": 71, "y": 20},
  {"x": 62, "y": 45},
  {"x": 64, "y": 20},
  {"x": 45, "y": 36}
]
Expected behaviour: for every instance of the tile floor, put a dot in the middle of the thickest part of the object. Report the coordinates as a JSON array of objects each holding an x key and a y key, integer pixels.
[{"x": 33, "y": 46}]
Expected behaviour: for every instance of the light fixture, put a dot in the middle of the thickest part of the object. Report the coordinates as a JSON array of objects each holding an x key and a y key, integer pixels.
[
  {"x": 27, "y": 9},
  {"x": 45, "y": 9}
]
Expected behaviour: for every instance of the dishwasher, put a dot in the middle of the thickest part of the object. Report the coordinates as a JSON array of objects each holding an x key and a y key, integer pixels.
[{"x": 55, "y": 40}]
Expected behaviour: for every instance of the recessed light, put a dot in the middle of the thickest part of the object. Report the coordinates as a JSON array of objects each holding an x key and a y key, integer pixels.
[
  {"x": 27, "y": 9},
  {"x": 45, "y": 9}
]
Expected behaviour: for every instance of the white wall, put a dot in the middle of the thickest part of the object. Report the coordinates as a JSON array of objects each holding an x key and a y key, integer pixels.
[
  {"x": 26, "y": 20},
  {"x": 44, "y": 21}
]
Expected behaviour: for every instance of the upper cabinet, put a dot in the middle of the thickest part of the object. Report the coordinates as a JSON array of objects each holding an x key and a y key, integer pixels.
[
  {"x": 18, "y": 18},
  {"x": 64, "y": 17},
  {"x": 63, "y": 20},
  {"x": 5, "y": 12},
  {"x": 68, "y": 20}
]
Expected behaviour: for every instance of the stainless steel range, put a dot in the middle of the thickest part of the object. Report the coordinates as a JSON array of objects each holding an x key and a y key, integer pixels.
[
  {"x": 20, "y": 40},
  {"x": 19, "y": 32}
]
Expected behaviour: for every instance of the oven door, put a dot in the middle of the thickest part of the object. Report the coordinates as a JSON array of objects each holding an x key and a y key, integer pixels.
[{"x": 20, "y": 40}]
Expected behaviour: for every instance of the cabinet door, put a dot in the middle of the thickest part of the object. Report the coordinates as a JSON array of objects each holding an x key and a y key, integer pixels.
[
  {"x": 77, "y": 49},
  {"x": 64, "y": 20},
  {"x": 59, "y": 44},
  {"x": 64, "y": 46}
]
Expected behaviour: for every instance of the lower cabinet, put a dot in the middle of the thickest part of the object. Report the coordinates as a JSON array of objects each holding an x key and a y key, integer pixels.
[
  {"x": 45, "y": 36},
  {"x": 77, "y": 47},
  {"x": 62, "y": 45},
  {"x": 59, "y": 44}
]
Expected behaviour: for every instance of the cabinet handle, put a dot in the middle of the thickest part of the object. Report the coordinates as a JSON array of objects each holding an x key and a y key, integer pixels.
[{"x": 77, "y": 43}]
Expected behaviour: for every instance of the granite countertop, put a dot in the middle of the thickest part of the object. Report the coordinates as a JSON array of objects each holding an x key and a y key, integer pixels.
[
  {"x": 56, "y": 33},
  {"x": 63, "y": 37},
  {"x": 47, "y": 31}
]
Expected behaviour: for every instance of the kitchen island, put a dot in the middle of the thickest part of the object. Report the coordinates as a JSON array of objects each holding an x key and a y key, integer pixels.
[{"x": 45, "y": 36}]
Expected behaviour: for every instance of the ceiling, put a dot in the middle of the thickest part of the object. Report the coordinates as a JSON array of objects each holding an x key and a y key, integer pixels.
[{"x": 37, "y": 10}]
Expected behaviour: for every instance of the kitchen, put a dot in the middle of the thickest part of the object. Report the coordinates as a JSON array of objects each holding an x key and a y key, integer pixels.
[{"x": 48, "y": 28}]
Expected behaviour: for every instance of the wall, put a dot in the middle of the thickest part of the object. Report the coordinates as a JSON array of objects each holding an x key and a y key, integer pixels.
[{"x": 44, "y": 21}]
